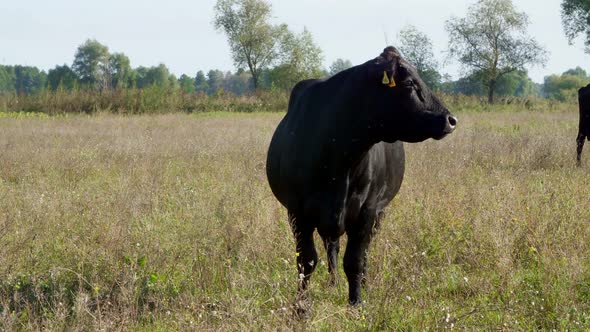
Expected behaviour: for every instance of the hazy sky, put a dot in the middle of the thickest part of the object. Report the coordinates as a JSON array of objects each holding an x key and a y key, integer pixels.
[{"x": 179, "y": 33}]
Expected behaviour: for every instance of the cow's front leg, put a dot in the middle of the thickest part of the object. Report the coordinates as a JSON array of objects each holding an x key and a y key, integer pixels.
[
  {"x": 580, "y": 140},
  {"x": 359, "y": 238}
]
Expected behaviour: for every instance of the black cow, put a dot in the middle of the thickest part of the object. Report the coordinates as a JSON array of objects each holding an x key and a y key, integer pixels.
[
  {"x": 336, "y": 159},
  {"x": 584, "y": 128}
]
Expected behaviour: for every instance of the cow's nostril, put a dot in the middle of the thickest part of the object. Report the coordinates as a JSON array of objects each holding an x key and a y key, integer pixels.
[{"x": 452, "y": 120}]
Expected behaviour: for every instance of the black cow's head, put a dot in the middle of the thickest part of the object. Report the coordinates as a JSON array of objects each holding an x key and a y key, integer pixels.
[{"x": 405, "y": 107}]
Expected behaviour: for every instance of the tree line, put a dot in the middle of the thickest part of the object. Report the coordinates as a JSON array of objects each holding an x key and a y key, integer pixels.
[
  {"x": 94, "y": 68},
  {"x": 490, "y": 43}
]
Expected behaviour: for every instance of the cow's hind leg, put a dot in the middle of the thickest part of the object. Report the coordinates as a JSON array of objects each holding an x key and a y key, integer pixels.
[
  {"x": 580, "y": 140},
  {"x": 307, "y": 259},
  {"x": 359, "y": 237},
  {"x": 332, "y": 246}
]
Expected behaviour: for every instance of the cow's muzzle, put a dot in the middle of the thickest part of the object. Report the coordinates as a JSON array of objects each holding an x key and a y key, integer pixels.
[{"x": 449, "y": 126}]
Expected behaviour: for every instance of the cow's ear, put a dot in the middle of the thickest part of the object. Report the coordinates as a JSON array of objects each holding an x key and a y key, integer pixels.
[
  {"x": 390, "y": 54},
  {"x": 385, "y": 67}
]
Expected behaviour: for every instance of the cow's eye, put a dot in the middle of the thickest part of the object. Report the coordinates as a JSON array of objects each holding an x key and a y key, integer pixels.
[{"x": 408, "y": 83}]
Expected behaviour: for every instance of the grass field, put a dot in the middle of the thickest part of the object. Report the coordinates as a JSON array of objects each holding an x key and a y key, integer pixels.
[{"x": 166, "y": 222}]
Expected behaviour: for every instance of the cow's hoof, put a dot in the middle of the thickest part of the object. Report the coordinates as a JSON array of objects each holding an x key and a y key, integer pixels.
[
  {"x": 332, "y": 282},
  {"x": 357, "y": 311},
  {"x": 302, "y": 309},
  {"x": 358, "y": 303}
]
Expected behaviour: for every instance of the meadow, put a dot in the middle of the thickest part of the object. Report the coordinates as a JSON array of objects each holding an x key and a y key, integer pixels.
[{"x": 166, "y": 222}]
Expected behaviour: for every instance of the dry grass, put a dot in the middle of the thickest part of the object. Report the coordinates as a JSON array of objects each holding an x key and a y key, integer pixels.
[{"x": 166, "y": 222}]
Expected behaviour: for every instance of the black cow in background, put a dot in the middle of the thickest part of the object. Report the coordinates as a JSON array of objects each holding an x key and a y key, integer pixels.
[
  {"x": 336, "y": 159},
  {"x": 584, "y": 128}
]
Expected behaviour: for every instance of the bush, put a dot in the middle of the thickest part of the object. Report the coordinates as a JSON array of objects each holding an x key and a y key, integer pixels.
[
  {"x": 154, "y": 99},
  {"x": 151, "y": 99}
]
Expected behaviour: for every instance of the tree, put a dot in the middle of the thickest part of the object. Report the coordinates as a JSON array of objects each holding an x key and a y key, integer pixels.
[
  {"x": 187, "y": 83},
  {"x": 201, "y": 85},
  {"x": 172, "y": 82},
  {"x": 339, "y": 65},
  {"x": 154, "y": 76},
  {"x": 140, "y": 74},
  {"x": 21, "y": 79},
  {"x": 575, "y": 17},
  {"x": 565, "y": 87},
  {"x": 215, "y": 81},
  {"x": 62, "y": 76},
  {"x": 516, "y": 83},
  {"x": 417, "y": 48},
  {"x": 28, "y": 80},
  {"x": 470, "y": 85},
  {"x": 253, "y": 40},
  {"x": 91, "y": 64},
  {"x": 119, "y": 71},
  {"x": 239, "y": 83},
  {"x": 492, "y": 40},
  {"x": 578, "y": 71},
  {"x": 301, "y": 59},
  {"x": 7, "y": 80}
]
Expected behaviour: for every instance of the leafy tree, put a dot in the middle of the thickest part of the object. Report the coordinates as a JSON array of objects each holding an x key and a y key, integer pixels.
[
  {"x": 239, "y": 83},
  {"x": 7, "y": 80},
  {"x": 120, "y": 71},
  {"x": 301, "y": 59},
  {"x": 575, "y": 17},
  {"x": 21, "y": 79},
  {"x": 140, "y": 74},
  {"x": 417, "y": 48},
  {"x": 158, "y": 75},
  {"x": 201, "y": 85},
  {"x": 187, "y": 83},
  {"x": 62, "y": 76},
  {"x": 29, "y": 80},
  {"x": 173, "y": 82},
  {"x": 469, "y": 85},
  {"x": 215, "y": 81},
  {"x": 578, "y": 71},
  {"x": 253, "y": 40},
  {"x": 492, "y": 40},
  {"x": 516, "y": 83},
  {"x": 565, "y": 87},
  {"x": 91, "y": 64},
  {"x": 339, "y": 65},
  {"x": 154, "y": 76}
]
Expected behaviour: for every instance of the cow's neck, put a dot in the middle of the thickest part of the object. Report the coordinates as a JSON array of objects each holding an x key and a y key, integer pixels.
[{"x": 353, "y": 132}]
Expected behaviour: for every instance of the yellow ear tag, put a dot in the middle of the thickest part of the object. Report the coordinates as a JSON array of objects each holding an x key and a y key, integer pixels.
[
  {"x": 392, "y": 82},
  {"x": 385, "y": 78}
]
